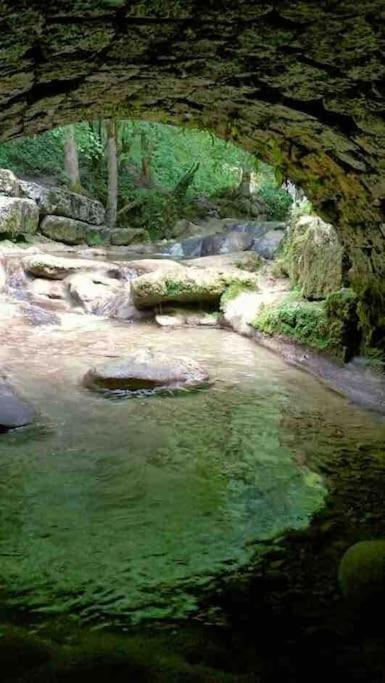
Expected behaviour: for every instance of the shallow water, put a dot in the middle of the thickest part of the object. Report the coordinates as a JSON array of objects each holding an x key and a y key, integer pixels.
[{"x": 117, "y": 511}]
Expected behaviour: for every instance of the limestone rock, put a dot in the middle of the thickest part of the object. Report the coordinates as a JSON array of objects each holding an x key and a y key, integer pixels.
[
  {"x": 18, "y": 216},
  {"x": 61, "y": 202},
  {"x": 59, "y": 267},
  {"x": 14, "y": 412},
  {"x": 125, "y": 236},
  {"x": 190, "y": 284},
  {"x": 9, "y": 184},
  {"x": 313, "y": 257},
  {"x": 71, "y": 231},
  {"x": 146, "y": 370}
]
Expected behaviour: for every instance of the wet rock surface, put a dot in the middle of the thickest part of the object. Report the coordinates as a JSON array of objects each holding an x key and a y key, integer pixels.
[{"x": 14, "y": 412}]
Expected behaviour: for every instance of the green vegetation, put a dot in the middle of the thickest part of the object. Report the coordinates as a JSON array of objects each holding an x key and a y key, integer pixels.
[
  {"x": 329, "y": 326},
  {"x": 312, "y": 257},
  {"x": 164, "y": 173}
]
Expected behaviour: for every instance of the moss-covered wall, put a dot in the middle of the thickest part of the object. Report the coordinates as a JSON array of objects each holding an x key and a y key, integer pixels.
[{"x": 299, "y": 81}]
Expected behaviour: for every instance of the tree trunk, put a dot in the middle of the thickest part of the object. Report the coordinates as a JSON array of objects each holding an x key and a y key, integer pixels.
[
  {"x": 112, "y": 168},
  {"x": 71, "y": 159}
]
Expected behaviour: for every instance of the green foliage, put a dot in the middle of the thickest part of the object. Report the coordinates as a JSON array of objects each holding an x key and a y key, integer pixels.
[
  {"x": 277, "y": 200},
  {"x": 303, "y": 320},
  {"x": 163, "y": 170}
]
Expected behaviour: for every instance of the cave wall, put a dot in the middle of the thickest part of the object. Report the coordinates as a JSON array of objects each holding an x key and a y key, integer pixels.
[{"x": 298, "y": 81}]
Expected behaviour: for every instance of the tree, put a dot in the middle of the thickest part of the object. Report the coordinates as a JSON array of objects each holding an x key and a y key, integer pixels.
[
  {"x": 112, "y": 173},
  {"x": 71, "y": 159}
]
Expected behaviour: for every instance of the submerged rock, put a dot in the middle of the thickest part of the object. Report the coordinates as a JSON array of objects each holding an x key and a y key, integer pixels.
[
  {"x": 18, "y": 216},
  {"x": 361, "y": 573},
  {"x": 187, "y": 285},
  {"x": 61, "y": 202},
  {"x": 146, "y": 370},
  {"x": 14, "y": 412},
  {"x": 71, "y": 231}
]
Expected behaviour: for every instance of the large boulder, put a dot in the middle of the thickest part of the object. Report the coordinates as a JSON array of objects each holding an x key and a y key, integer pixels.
[
  {"x": 71, "y": 231},
  {"x": 9, "y": 184},
  {"x": 18, "y": 216},
  {"x": 187, "y": 285},
  {"x": 14, "y": 412},
  {"x": 146, "y": 370},
  {"x": 125, "y": 236},
  {"x": 61, "y": 202},
  {"x": 59, "y": 267},
  {"x": 313, "y": 257}
]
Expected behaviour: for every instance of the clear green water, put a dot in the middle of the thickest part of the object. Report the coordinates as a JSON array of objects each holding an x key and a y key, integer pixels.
[{"x": 115, "y": 511}]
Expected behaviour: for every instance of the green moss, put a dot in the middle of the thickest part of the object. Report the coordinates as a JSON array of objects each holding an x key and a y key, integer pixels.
[
  {"x": 312, "y": 257},
  {"x": 329, "y": 326}
]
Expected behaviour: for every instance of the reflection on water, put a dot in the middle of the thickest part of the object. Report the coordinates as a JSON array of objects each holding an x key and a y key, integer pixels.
[{"x": 122, "y": 510}]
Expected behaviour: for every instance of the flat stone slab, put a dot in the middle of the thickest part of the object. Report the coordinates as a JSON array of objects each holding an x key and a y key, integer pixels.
[
  {"x": 146, "y": 371},
  {"x": 14, "y": 412},
  {"x": 53, "y": 267}
]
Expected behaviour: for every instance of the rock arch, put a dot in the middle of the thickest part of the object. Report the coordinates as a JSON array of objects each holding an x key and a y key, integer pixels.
[{"x": 300, "y": 82}]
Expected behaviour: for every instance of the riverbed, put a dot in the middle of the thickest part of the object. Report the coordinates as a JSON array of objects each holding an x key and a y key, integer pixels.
[{"x": 119, "y": 512}]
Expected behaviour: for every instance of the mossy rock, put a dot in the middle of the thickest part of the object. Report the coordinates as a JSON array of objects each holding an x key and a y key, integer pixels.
[
  {"x": 18, "y": 216},
  {"x": 70, "y": 231},
  {"x": 313, "y": 257},
  {"x": 329, "y": 326},
  {"x": 187, "y": 285},
  {"x": 361, "y": 573}
]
